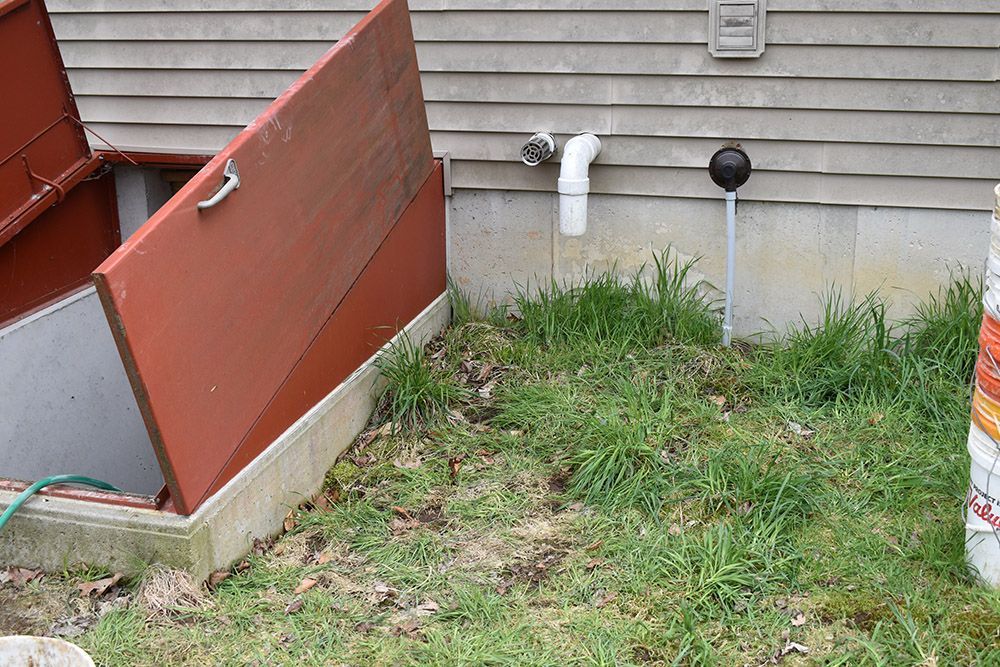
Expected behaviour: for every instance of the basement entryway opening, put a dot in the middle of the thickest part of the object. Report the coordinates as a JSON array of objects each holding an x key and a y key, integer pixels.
[{"x": 200, "y": 331}]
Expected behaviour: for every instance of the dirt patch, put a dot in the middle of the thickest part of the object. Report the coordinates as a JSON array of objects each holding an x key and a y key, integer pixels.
[
  {"x": 532, "y": 571},
  {"x": 497, "y": 557},
  {"x": 431, "y": 515},
  {"x": 559, "y": 482},
  {"x": 54, "y": 606},
  {"x": 314, "y": 543},
  {"x": 543, "y": 530},
  {"x": 864, "y": 620},
  {"x": 347, "y": 586},
  {"x": 643, "y": 655},
  {"x": 476, "y": 553},
  {"x": 29, "y": 612},
  {"x": 542, "y": 543}
]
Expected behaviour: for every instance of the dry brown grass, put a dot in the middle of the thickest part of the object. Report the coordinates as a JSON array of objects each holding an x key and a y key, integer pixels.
[{"x": 164, "y": 592}]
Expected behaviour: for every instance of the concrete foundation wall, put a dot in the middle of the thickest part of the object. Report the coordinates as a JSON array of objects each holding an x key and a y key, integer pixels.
[{"x": 787, "y": 253}]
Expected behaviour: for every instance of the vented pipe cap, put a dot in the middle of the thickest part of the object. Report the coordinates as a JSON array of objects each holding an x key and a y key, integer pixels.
[
  {"x": 539, "y": 148},
  {"x": 730, "y": 168}
]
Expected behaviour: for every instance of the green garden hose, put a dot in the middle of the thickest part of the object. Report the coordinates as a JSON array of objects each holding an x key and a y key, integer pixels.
[{"x": 48, "y": 481}]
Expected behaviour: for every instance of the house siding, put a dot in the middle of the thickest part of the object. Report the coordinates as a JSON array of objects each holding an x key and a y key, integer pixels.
[{"x": 861, "y": 103}]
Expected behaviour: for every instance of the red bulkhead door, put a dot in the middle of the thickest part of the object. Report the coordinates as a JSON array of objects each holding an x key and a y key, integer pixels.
[
  {"x": 214, "y": 308},
  {"x": 42, "y": 143},
  {"x": 54, "y": 229}
]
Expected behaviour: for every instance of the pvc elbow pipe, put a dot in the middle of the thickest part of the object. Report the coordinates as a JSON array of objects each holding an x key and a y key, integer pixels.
[{"x": 574, "y": 183}]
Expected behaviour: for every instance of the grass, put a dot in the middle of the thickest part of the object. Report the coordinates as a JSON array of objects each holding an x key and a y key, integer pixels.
[
  {"x": 417, "y": 395},
  {"x": 588, "y": 479},
  {"x": 607, "y": 310}
]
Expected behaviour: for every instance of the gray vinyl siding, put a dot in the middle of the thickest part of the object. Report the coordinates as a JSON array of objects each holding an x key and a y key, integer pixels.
[{"x": 871, "y": 102}]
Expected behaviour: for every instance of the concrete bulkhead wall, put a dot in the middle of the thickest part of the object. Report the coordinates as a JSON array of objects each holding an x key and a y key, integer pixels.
[
  {"x": 788, "y": 254},
  {"x": 66, "y": 406},
  {"x": 141, "y": 191},
  {"x": 49, "y": 532}
]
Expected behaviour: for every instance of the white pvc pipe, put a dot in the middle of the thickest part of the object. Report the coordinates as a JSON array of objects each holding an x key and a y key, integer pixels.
[
  {"x": 574, "y": 183},
  {"x": 727, "y": 318}
]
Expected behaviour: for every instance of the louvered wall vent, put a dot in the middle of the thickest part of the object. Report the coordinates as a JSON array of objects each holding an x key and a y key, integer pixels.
[{"x": 736, "y": 28}]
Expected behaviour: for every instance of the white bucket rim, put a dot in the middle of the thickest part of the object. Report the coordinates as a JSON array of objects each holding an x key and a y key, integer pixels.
[
  {"x": 982, "y": 448},
  {"x": 27, "y": 646},
  {"x": 991, "y": 301}
]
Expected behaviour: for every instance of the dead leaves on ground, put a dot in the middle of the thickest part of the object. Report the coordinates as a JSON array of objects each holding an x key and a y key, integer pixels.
[
  {"x": 364, "y": 460},
  {"x": 428, "y": 607},
  {"x": 454, "y": 466},
  {"x": 217, "y": 578},
  {"x": 789, "y": 648},
  {"x": 20, "y": 576},
  {"x": 99, "y": 587},
  {"x": 296, "y": 604},
  {"x": 406, "y": 617},
  {"x": 409, "y": 621},
  {"x": 408, "y": 463},
  {"x": 357, "y": 455},
  {"x": 482, "y": 377},
  {"x": 533, "y": 571},
  {"x": 321, "y": 502},
  {"x": 382, "y": 592},
  {"x": 408, "y": 628},
  {"x": 305, "y": 585},
  {"x": 603, "y": 598},
  {"x": 368, "y": 437},
  {"x": 404, "y": 520}
]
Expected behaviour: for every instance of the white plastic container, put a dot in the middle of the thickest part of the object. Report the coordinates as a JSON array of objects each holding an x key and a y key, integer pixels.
[
  {"x": 991, "y": 296},
  {"x": 41, "y": 652},
  {"x": 982, "y": 507}
]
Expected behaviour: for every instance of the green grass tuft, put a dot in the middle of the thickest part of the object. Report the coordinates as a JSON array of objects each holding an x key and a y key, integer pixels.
[
  {"x": 415, "y": 394},
  {"x": 855, "y": 355},
  {"x": 608, "y": 309}
]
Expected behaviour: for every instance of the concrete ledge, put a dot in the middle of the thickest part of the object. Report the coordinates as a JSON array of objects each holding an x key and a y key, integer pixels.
[{"x": 51, "y": 533}]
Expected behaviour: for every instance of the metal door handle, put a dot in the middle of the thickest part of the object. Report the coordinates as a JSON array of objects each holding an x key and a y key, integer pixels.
[{"x": 232, "y": 176}]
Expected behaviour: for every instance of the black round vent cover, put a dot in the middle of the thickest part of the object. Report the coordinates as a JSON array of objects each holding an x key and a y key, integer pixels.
[{"x": 730, "y": 168}]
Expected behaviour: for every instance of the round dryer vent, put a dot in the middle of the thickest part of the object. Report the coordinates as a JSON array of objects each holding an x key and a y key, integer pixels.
[{"x": 538, "y": 149}]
